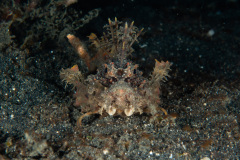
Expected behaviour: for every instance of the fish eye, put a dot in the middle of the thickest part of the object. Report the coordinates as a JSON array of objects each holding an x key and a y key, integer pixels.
[{"x": 134, "y": 71}]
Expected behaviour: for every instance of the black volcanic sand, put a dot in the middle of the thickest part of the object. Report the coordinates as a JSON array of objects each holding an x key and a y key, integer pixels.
[{"x": 200, "y": 39}]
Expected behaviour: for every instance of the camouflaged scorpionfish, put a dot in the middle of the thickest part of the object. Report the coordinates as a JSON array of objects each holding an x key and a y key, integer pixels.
[{"x": 118, "y": 88}]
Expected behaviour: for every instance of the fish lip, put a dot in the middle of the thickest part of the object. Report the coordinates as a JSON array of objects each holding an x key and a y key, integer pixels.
[
  {"x": 111, "y": 110},
  {"x": 129, "y": 111}
]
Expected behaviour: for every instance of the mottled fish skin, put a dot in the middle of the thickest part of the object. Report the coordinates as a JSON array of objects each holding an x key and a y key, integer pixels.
[{"x": 118, "y": 87}]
